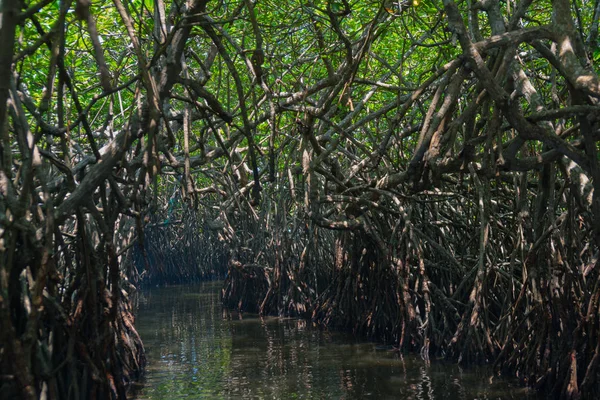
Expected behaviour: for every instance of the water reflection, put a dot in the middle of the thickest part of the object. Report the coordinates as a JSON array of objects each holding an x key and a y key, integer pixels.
[{"x": 198, "y": 350}]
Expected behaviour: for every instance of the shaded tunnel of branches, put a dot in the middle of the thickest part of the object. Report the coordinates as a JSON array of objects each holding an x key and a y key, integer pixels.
[{"x": 421, "y": 173}]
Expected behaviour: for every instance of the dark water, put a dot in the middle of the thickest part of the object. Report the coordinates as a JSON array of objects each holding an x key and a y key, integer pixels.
[{"x": 198, "y": 350}]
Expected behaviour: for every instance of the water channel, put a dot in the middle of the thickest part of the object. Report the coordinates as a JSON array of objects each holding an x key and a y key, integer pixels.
[{"x": 196, "y": 349}]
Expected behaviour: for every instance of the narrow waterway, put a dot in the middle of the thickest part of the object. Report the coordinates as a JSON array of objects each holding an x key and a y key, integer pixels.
[{"x": 196, "y": 349}]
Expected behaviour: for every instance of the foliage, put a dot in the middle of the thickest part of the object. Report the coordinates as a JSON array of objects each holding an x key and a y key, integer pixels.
[{"x": 422, "y": 172}]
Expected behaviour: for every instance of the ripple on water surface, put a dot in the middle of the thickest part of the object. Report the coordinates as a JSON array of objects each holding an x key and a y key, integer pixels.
[{"x": 198, "y": 350}]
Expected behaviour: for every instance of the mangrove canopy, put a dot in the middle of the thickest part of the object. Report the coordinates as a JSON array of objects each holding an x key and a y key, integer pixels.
[{"x": 424, "y": 173}]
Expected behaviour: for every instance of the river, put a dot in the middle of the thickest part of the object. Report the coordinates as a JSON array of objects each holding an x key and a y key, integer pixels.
[{"x": 196, "y": 349}]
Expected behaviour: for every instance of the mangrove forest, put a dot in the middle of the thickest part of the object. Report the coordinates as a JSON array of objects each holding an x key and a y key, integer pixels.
[{"x": 424, "y": 174}]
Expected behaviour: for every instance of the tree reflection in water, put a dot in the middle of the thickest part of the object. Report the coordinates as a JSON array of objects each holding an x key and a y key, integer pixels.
[{"x": 198, "y": 350}]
